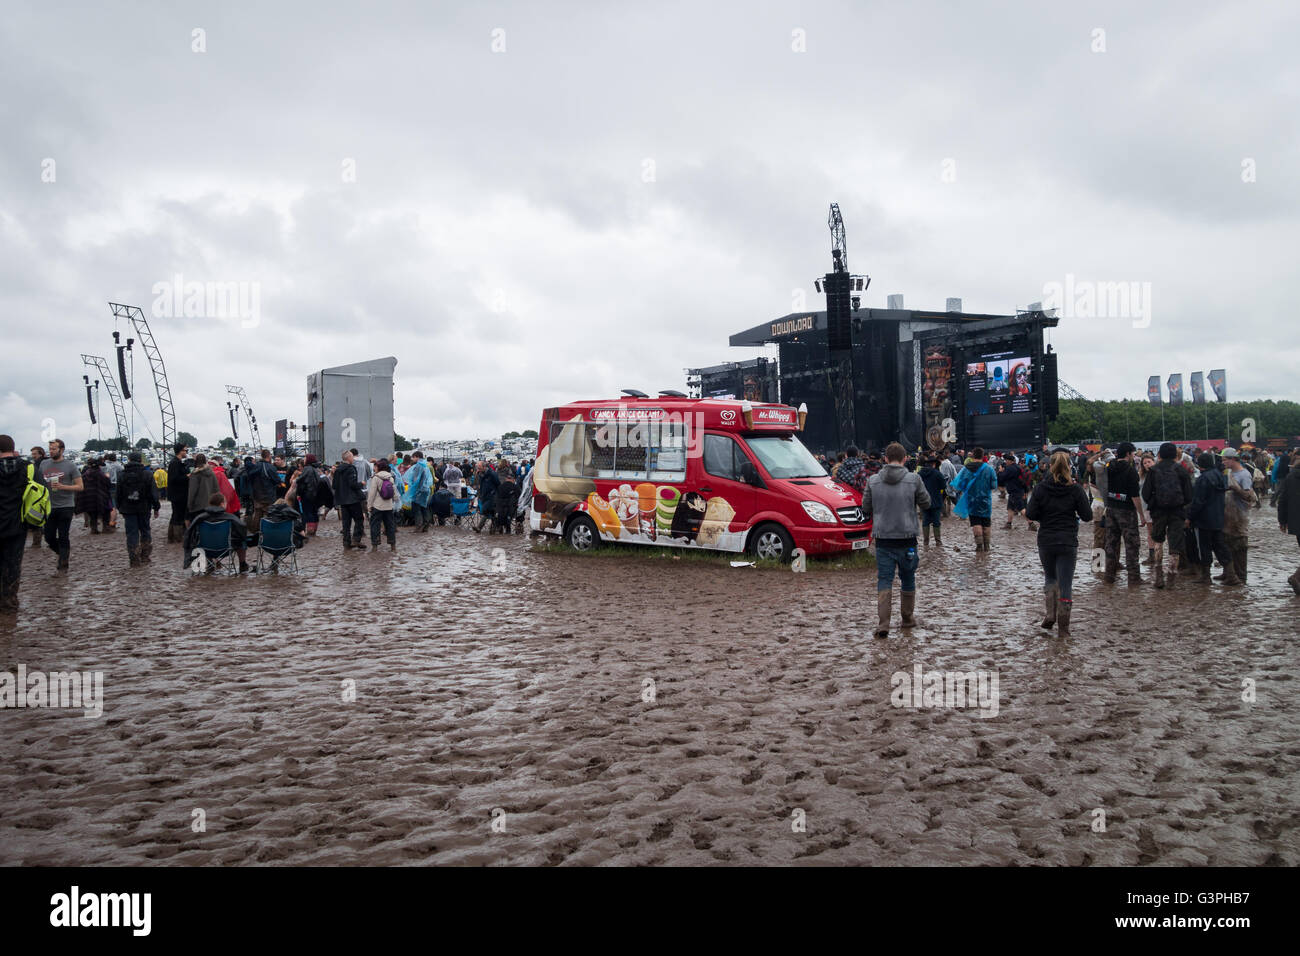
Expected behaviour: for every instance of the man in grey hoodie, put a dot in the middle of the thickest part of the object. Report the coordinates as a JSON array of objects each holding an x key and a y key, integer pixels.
[{"x": 892, "y": 498}]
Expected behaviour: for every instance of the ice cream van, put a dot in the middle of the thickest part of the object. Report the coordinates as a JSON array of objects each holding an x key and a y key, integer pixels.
[{"x": 680, "y": 472}]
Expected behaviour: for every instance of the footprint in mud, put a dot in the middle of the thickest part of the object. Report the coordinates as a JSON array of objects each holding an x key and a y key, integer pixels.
[{"x": 660, "y": 831}]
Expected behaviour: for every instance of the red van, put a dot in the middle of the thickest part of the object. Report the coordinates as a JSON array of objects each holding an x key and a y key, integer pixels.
[{"x": 689, "y": 473}]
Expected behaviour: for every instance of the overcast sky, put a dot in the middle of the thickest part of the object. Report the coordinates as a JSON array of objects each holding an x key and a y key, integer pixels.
[{"x": 602, "y": 199}]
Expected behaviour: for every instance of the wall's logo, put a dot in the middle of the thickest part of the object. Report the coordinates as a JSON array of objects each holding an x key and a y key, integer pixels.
[{"x": 728, "y": 415}]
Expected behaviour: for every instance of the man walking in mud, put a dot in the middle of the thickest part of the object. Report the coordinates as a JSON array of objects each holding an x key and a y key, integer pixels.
[
  {"x": 892, "y": 497},
  {"x": 1124, "y": 514},
  {"x": 64, "y": 481}
]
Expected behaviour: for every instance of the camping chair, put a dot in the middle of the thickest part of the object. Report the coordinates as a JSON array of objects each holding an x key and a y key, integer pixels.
[
  {"x": 275, "y": 547},
  {"x": 214, "y": 539}
]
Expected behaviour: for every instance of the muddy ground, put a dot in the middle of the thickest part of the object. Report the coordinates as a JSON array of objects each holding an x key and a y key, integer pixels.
[{"x": 501, "y": 713}]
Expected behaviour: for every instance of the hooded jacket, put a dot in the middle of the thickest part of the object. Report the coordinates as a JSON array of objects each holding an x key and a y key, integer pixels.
[
  {"x": 891, "y": 497},
  {"x": 1206, "y": 509},
  {"x": 373, "y": 499},
  {"x": 137, "y": 494},
  {"x": 203, "y": 485},
  {"x": 1058, "y": 508}
]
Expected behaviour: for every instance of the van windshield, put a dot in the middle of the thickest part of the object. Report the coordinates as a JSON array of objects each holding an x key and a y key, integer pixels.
[{"x": 784, "y": 456}]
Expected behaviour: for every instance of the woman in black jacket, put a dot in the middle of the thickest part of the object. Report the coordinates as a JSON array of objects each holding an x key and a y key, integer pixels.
[
  {"x": 1058, "y": 504},
  {"x": 1288, "y": 507}
]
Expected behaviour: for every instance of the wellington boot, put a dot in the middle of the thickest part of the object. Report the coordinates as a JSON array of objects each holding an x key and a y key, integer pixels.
[
  {"x": 1230, "y": 578},
  {"x": 938, "y": 540},
  {"x": 146, "y": 552},
  {"x": 1063, "y": 609},
  {"x": 884, "y": 604},
  {"x": 926, "y": 534},
  {"x": 908, "y": 606},
  {"x": 1052, "y": 595},
  {"x": 1112, "y": 569},
  {"x": 133, "y": 556},
  {"x": 1160, "y": 576}
]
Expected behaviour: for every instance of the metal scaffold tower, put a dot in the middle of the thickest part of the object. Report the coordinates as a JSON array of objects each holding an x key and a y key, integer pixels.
[
  {"x": 1095, "y": 409},
  {"x": 242, "y": 401},
  {"x": 100, "y": 367},
  {"x": 138, "y": 320}
]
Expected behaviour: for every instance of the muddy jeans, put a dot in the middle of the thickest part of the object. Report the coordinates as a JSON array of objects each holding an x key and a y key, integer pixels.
[
  {"x": 354, "y": 515},
  {"x": 137, "y": 530},
  {"x": 385, "y": 520},
  {"x": 57, "y": 526},
  {"x": 1211, "y": 544},
  {"x": 1122, "y": 524},
  {"x": 1058, "y": 568},
  {"x": 1237, "y": 547},
  {"x": 11, "y": 566}
]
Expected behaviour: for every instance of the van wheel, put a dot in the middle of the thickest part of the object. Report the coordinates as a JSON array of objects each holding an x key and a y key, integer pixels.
[
  {"x": 771, "y": 542},
  {"x": 581, "y": 534}
]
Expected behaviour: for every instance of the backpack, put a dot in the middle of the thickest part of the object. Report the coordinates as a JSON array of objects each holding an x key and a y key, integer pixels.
[
  {"x": 309, "y": 483},
  {"x": 386, "y": 489},
  {"x": 1166, "y": 490},
  {"x": 36, "y": 500}
]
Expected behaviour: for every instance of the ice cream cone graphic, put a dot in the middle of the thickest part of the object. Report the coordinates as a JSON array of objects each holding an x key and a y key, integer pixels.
[
  {"x": 803, "y": 414},
  {"x": 747, "y": 410},
  {"x": 647, "y": 496}
]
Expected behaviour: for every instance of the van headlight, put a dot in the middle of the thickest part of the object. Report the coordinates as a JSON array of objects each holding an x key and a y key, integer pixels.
[{"x": 818, "y": 512}]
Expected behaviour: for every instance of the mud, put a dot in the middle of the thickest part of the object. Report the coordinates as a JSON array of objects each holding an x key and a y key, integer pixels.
[{"x": 500, "y": 713}]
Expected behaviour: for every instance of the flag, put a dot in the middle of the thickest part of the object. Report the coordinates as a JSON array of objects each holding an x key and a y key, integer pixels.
[
  {"x": 1176, "y": 389},
  {"x": 1219, "y": 382},
  {"x": 1153, "y": 390},
  {"x": 1197, "y": 385}
]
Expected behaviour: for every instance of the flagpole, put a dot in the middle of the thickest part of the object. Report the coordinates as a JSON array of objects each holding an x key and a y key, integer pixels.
[{"x": 1162, "y": 420}]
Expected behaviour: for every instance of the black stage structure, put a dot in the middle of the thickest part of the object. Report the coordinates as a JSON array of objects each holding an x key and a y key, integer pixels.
[{"x": 927, "y": 379}]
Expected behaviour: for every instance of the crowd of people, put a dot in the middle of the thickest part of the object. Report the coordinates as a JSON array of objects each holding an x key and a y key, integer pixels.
[
  {"x": 1194, "y": 507},
  {"x": 41, "y": 496}
]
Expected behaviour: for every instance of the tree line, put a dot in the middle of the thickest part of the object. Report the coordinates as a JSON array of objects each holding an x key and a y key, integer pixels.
[{"x": 1136, "y": 420}]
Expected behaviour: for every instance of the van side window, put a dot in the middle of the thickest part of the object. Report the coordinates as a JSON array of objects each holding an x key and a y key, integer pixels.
[
  {"x": 668, "y": 452},
  {"x": 721, "y": 457}
]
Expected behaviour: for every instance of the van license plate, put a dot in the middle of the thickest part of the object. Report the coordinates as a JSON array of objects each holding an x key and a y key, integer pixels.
[{"x": 861, "y": 543}]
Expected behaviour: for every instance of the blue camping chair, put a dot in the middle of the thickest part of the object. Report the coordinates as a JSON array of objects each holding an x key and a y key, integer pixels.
[
  {"x": 275, "y": 548},
  {"x": 214, "y": 539}
]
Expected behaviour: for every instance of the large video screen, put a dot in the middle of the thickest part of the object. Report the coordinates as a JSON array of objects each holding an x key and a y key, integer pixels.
[{"x": 999, "y": 383}]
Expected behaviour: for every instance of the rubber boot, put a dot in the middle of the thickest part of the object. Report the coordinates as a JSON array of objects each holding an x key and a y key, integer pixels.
[
  {"x": 36, "y": 537},
  {"x": 1063, "y": 608},
  {"x": 146, "y": 552},
  {"x": 133, "y": 556},
  {"x": 909, "y": 608},
  {"x": 925, "y": 531},
  {"x": 1294, "y": 581},
  {"x": 392, "y": 546},
  {"x": 988, "y": 539},
  {"x": 1052, "y": 595},
  {"x": 1230, "y": 579},
  {"x": 1204, "y": 574},
  {"x": 1134, "y": 574},
  {"x": 1151, "y": 556},
  {"x": 979, "y": 541},
  {"x": 938, "y": 541},
  {"x": 1160, "y": 576},
  {"x": 884, "y": 604},
  {"x": 63, "y": 562},
  {"x": 1112, "y": 569}
]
